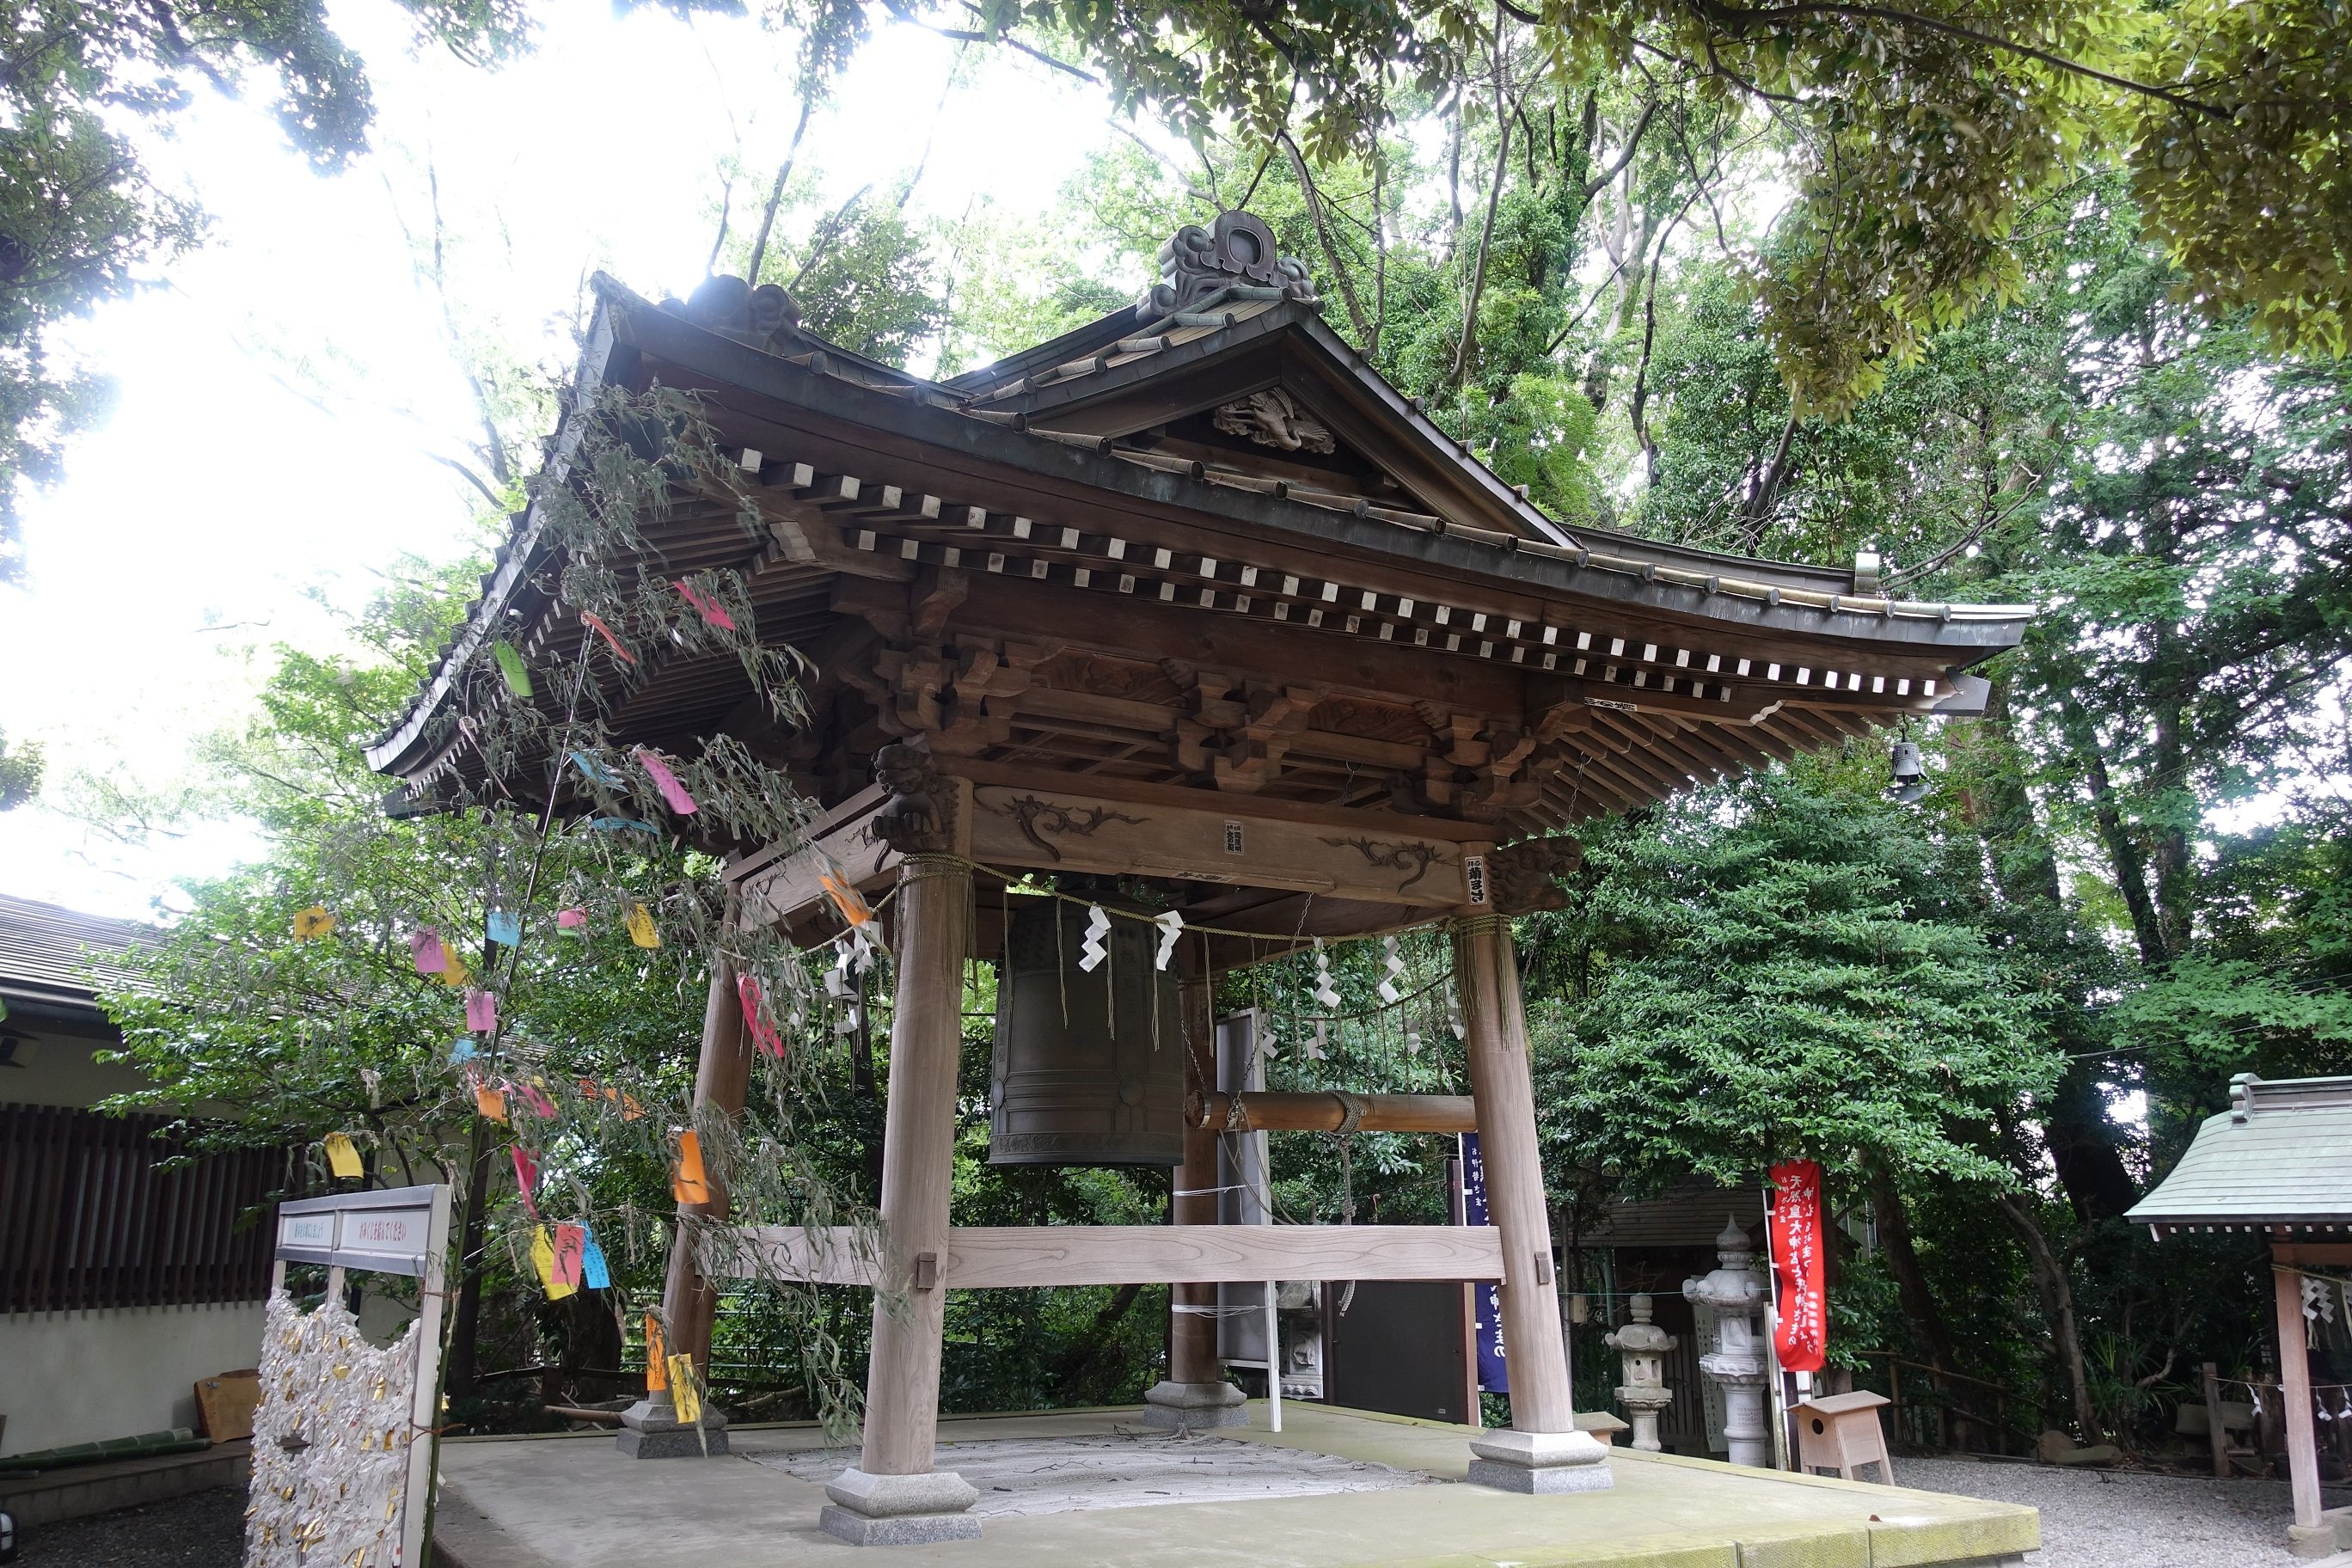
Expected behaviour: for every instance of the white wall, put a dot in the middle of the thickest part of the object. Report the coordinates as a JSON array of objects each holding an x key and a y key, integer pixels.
[{"x": 74, "y": 1378}]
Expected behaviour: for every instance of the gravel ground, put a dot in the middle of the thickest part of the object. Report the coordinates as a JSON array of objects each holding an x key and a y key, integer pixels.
[
  {"x": 202, "y": 1529},
  {"x": 2113, "y": 1518}
]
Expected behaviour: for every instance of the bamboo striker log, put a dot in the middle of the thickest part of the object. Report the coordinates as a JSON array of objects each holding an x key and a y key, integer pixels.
[{"x": 1328, "y": 1111}]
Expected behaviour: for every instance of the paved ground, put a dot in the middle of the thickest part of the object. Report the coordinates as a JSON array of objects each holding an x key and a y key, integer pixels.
[
  {"x": 204, "y": 1529},
  {"x": 2107, "y": 1518}
]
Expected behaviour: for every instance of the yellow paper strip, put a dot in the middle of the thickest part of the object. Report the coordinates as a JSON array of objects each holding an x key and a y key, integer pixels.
[
  {"x": 682, "y": 1395},
  {"x": 542, "y": 1260},
  {"x": 343, "y": 1158},
  {"x": 641, "y": 927},
  {"x": 313, "y": 923}
]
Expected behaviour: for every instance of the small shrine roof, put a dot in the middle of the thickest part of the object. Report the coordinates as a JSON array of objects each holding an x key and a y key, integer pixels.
[{"x": 2279, "y": 1157}]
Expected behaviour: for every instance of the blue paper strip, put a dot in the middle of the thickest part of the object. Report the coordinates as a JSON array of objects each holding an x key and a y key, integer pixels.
[
  {"x": 505, "y": 928},
  {"x": 592, "y": 1272},
  {"x": 463, "y": 1050},
  {"x": 594, "y": 771}
]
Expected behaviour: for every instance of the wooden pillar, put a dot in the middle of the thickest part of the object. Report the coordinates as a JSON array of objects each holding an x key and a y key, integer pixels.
[
  {"x": 1195, "y": 1392},
  {"x": 1501, "y": 1083},
  {"x": 2295, "y": 1394},
  {"x": 721, "y": 1079},
  {"x": 650, "y": 1428},
  {"x": 902, "y": 1384},
  {"x": 2217, "y": 1436}
]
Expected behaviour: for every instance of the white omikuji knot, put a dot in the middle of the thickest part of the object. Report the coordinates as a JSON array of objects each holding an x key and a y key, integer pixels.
[
  {"x": 1171, "y": 926},
  {"x": 1395, "y": 963},
  {"x": 1093, "y": 950}
]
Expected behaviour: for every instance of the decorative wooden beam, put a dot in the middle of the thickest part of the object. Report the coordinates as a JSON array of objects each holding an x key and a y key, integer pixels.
[
  {"x": 1074, "y": 829},
  {"x": 1016, "y": 1256}
]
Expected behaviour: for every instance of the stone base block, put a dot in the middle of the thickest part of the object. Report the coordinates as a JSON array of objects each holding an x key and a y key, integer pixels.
[
  {"x": 650, "y": 1429},
  {"x": 1509, "y": 1478},
  {"x": 1190, "y": 1407},
  {"x": 1541, "y": 1463},
  {"x": 2311, "y": 1540},
  {"x": 899, "y": 1511},
  {"x": 898, "y": 1530}
]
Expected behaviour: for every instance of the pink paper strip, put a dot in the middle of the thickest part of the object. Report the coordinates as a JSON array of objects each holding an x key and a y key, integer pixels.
[
  {"x": 571, "y": 1241},
  {"x": 425, "y": 943},
  {"x": 571, "y": 919},
  {"x": 541, "y": 1106},
  {"x": 526, "y": 1166},
  {"x": 755, "y": 1016},
  {"x": 481, "y": 1011},
  {"x": 667, "y": 782},
  {"x": 605, "y": 632},
  {"x": 712, "y": 611}
]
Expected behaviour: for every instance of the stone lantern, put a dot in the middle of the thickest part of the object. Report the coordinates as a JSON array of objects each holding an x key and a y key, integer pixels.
[
  {"x": 1735, "y": 1294},
  {"x": 1642, "y": 1346}
]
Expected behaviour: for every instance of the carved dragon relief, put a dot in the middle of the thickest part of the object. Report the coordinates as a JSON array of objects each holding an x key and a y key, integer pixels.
[
  {"x": 1031, "y": 814},
  {"x": 1409, "y": 855},
  {"x": 1525, "y": 875},
  {"x": 1273, "y": 418}
]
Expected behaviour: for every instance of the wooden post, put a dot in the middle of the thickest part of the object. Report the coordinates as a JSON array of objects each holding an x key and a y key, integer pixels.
[
  {"x": 1504, "y": 1089},
  {"x": 902, "y": 1387},
  {"x": 2295, "y": 1394},
  {"x": 1195, "y": 1392},
  {"x": 650, "y": 1428},
  {"x": 2217, "y": 1436}
]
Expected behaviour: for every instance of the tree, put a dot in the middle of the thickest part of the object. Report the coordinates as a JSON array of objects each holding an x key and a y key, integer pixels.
[
  {"x": 79, "y": 219},
  {"x": 21, "y": 767}
]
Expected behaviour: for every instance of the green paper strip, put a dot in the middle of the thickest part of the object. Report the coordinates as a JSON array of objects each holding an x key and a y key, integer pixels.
[{"x": 510, "y": 666}]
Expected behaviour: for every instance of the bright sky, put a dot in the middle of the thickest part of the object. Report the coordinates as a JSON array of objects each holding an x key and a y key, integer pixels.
[{"x": 217, "y": 493}]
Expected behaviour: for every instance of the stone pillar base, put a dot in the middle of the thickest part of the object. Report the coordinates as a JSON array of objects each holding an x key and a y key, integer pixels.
[
  {"x": 1190, "y": 1407},
  {"x": 2311, "y": 1540},
  {"x": 1542, "y": 1463},
  {"x": 650, "y": 1429},
  {"x": 899, "y": 1511}
]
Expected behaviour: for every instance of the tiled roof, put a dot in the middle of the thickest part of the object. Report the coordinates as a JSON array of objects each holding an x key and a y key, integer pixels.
[
  {"x": 47, "y": 953},
  {"x": 2281, "y": 1155}
]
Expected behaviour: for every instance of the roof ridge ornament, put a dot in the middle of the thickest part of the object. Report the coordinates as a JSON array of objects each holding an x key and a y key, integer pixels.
[
  {"x": 1239, "y": 251},
  {"x": 760, "y": 317}
]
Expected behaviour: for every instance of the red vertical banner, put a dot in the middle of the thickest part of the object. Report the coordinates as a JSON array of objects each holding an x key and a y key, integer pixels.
[{"x": 1804, "y": 1332}]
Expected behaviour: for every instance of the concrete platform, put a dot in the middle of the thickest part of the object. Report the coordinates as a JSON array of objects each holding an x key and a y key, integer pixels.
[
  {"x": 78, "y": 1492},
  {"x": 572, "y": 1501}
]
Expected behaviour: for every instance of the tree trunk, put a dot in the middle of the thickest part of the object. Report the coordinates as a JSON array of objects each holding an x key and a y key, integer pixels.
[
  {"x": 1919, "y": 1309},
  {"x": 2058, "y": 1301},
  {"x": 461, "y": 1367}
]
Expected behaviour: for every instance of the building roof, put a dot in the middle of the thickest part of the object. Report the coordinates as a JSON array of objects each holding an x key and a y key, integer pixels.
[
  {"x": 48, "y": 954},
  {"x": 2281, "y": 1156},
  {"x": 1199, "y": 545}
]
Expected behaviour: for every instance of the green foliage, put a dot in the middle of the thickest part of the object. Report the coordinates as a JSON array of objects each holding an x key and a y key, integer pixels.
[
  {"x": 1770, "y": 972},
  {"x": 21, "y": 767},
  {"x": 79, "y": 217}
]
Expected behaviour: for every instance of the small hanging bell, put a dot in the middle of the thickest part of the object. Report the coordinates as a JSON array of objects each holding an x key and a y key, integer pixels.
[{"x": 1909, "y": 781}]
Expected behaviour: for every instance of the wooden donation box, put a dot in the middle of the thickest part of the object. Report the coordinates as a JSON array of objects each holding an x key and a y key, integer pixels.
[
  {"x": 1191, "y": 613},
  {"x": 1838, "y": 1434}
]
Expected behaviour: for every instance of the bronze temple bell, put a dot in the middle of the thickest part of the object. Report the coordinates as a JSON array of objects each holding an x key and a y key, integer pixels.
[{"x": 1090, "y": 1065}]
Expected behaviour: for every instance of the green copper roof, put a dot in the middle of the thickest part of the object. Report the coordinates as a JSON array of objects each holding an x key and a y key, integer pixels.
[{"x": 2281, "y": 1154}]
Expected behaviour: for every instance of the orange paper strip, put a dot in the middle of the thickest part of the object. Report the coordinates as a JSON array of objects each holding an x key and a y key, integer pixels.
[
  {"x": 688, "y": 1184},
  {"x": 657, "y": 1357}
]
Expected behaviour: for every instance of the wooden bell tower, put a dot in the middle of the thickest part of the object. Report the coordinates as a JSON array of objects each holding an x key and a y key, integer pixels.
[{"x": 1191, "y": 596}]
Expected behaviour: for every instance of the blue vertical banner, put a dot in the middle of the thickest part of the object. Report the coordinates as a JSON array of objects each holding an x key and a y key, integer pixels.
[{"x": 1494, "y": 1373}]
